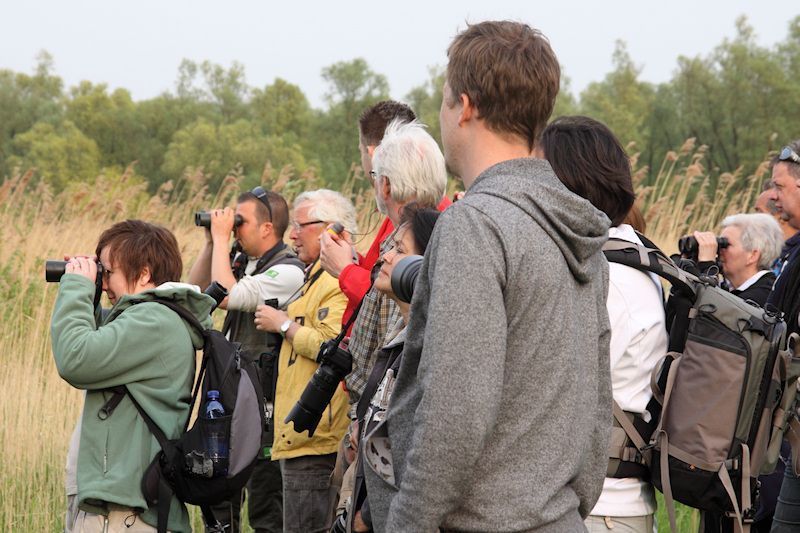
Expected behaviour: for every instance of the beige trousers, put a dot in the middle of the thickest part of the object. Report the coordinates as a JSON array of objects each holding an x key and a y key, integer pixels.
[{"x": 117, "y": 521}]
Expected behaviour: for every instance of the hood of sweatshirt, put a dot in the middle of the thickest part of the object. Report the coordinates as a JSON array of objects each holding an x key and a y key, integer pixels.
[
  {"x": 575, "y": 225},
  {"x": 187, "y": 296}
]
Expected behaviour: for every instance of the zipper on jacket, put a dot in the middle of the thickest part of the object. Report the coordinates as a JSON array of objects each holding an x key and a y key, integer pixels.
[{"x": 105, "y": 455}]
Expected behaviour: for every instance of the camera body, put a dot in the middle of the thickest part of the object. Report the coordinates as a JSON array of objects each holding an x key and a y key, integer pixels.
[
  {"x": 334, "y": 364},
  {"x": 203, "y": 219},
  {"x": 689, "y": 247}
]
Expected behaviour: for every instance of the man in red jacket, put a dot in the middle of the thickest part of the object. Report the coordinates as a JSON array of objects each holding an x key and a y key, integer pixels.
[
  {"x": 409, "y": 168},
  {"x": 354, "y": 278}
]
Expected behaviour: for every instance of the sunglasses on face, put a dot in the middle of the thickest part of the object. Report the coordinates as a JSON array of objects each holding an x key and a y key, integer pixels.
[
  {"x": 787, "y": 154},
  {"x": 261, "y": 195}
]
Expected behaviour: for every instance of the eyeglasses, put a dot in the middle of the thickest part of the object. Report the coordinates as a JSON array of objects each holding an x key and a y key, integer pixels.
[
  {"x": 300, "y": 225},
  {"x": 262, "y": 196},
  {"x": 787, "y": 154}
]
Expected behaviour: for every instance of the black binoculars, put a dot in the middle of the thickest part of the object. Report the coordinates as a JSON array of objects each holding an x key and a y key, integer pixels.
[
  {"x": 203, "y": 219},
  {"x": 54, "y": 269}
]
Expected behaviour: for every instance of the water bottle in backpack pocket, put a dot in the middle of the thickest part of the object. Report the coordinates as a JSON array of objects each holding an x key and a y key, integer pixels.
[{"x": 212, "y": 459}]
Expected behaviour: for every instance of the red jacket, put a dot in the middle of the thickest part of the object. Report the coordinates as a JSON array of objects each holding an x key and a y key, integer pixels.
[{"x": 354, "y": 279}]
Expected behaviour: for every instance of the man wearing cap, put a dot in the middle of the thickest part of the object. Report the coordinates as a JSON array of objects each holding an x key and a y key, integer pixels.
[{"x": 260, "y": 267}]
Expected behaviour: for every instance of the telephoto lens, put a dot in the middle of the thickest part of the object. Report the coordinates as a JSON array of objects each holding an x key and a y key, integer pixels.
[
  {"x": 404, "y": 277},
  {"x": 334, "y": 364},
  {"x": 203, "y": 219},
  {"x": 216, "y": 291}
]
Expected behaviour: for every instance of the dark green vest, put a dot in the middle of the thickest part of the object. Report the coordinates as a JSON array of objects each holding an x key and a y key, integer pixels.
[{"x": 259, "y": 346}]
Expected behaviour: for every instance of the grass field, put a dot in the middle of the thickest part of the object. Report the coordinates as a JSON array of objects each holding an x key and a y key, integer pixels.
[{"x": 39, "y": 410}]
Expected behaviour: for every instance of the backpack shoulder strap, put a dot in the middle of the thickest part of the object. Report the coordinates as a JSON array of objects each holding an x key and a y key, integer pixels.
[
  {"x": 119, "y": 392},
  {"x": 182, "y": 312},
  {"x": 648, "y": 259}
]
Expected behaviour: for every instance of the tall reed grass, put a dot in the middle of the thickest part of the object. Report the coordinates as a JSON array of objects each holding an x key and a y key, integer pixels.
[{"x": 38, "y": 410}]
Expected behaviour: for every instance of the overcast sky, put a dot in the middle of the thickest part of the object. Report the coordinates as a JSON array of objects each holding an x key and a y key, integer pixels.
[{"x": 139, "y": 45}]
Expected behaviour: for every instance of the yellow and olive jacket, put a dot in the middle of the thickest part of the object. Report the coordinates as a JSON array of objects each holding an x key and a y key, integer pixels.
[{"x": 319, "y": 311}]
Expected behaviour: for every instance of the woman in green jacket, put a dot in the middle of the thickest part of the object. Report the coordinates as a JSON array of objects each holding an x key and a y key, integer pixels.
[{"x": 141, "y": 344}]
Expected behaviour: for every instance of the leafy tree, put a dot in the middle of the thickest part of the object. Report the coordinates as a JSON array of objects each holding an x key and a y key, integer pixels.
[
  {"x": 218, "y": 149},
  {"x": 109, "y": 119},
  {"x": 353, "y": 86},
  {"x": 621, "y": 100},
  {"x": 566, "y": 103},
  {"x": 426, "y": 101},
  {"x": 282, "y": 109},
  {"x": 60, "y": 153},
  {"x": 740, "y": 96},
  {"x": 226, "y": 89},
  {"x": 25, "y": 100},
  {"x": 161, "y": 118}
]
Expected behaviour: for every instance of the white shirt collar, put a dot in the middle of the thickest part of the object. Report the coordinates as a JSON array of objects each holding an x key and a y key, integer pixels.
[{"x": 751, "y": 280}]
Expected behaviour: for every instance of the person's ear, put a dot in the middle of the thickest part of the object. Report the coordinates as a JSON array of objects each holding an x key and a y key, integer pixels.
[
  {"x": 386, "y": 186},
  {"x": 468, "y": 109},
  {"x": 371, "y": 150},
  {"x": 266, "y": 229},
  {"x": 753, "y": 257},
  {"x": 144, "y": 277}
]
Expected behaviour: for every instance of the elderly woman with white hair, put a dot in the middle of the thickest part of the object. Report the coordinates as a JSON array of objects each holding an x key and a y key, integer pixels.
[
  {"x": 754, "y": 242},
  {"x": 314, "y": 317}
]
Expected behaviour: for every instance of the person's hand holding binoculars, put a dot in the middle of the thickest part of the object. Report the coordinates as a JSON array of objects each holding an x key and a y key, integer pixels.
[
  {"x": 706, "y": 245},
  {"x": 222, "y": 222},
  {"x": 83, "y": 266}
]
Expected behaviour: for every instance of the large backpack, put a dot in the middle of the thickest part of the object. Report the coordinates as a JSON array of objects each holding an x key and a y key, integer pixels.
[
  {"x": 724, "y": 394},
  {"x": 183, "y": 467}
]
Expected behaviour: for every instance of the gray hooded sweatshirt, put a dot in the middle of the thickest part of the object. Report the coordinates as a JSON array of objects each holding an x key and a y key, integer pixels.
[{"x": 501, "y": 412}]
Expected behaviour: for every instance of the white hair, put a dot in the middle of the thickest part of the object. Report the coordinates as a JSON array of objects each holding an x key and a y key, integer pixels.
[
  {"x": 329, "y": 206},
  {"x": 759, "y": 232},
  {"x": 412, "y": 161}
]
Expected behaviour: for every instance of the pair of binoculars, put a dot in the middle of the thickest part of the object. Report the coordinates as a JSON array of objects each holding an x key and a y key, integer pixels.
[{"x": 203, "y": 219}]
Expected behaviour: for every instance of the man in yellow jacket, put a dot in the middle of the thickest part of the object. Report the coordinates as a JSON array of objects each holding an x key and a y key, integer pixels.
[{"x": 314, "y": 317}]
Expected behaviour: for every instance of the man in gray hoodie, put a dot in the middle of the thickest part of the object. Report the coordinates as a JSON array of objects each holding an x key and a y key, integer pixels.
[{"x": 501, "y": 411}]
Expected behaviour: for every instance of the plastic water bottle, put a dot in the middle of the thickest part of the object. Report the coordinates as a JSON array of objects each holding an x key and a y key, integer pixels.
[{"x": 216, "y": 436}]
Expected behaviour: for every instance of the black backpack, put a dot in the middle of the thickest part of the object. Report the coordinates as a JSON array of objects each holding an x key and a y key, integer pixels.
[
  {"x": 724, "y": 394},
  {"x": 183, "y": 467}
]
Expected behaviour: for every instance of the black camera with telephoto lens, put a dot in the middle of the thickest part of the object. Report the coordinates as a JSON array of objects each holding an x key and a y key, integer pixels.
[
  {"x": 334, "y": 364},
  {"x": 203, "y": 219},
  {"x": 404, "y": 277}
]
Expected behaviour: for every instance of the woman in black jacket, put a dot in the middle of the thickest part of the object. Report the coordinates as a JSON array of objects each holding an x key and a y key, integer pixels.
[{"x": 411, "y": 238}]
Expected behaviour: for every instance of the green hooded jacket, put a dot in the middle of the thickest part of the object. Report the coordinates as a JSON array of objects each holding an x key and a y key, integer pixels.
[{"x": 147, "y": 347}]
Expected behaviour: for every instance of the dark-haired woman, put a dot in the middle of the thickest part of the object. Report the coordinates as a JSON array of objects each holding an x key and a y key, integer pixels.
[
  {"x": 142, "y": 345},
  {"x": 589, "y": 160},
  {"x": 374, "y": 469}
]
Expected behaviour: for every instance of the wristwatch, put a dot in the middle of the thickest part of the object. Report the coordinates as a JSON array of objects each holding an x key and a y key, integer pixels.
[{"x": 285, "y": 327}]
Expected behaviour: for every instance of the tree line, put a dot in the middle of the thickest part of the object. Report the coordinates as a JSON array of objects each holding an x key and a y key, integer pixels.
[{"x": 739, "y": 101}]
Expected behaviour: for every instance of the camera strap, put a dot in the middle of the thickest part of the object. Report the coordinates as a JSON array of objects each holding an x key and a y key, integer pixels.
[{"x": 305, "y": 286}]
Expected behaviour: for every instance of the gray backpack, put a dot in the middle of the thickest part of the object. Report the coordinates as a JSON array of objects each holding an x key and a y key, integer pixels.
[{"x": 723, "y": 395}]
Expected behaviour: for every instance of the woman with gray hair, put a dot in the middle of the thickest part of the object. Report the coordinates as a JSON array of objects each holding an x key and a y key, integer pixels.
[{"x": 754, "y": 242}]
